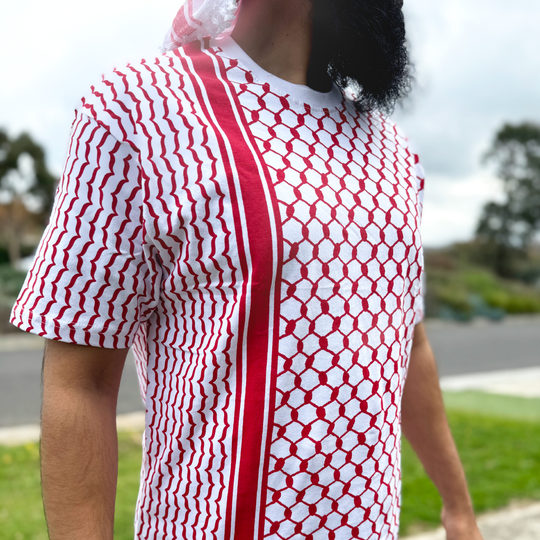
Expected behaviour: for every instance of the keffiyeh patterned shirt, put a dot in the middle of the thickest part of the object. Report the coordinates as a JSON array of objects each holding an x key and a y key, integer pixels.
[{"x": 258, "y": 245}]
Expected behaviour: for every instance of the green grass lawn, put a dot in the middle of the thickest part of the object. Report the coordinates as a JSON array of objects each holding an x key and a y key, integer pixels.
[
  {"x": 501, "y": 456},
  {"x": 498, "y": 439},
  {"x": 21, "y": 510}
]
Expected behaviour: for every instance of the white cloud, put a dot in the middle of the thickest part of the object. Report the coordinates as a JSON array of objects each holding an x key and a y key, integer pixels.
[
  {"x": 57, "y": 49},
  {"x": 478, "y": 67},
  {"x": 452, "y": 207}
]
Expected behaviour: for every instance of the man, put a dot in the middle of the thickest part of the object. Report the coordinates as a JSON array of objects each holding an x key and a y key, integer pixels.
[{"x": 255, "y": 236}]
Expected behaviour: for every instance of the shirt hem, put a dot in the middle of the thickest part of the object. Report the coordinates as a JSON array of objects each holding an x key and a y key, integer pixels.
[{"x": 59, "y": 330}]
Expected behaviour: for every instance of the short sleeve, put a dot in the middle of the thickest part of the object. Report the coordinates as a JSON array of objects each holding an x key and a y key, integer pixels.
[
  {"x": 95, "y": 278},
  {"x": 419, "y": 303}
]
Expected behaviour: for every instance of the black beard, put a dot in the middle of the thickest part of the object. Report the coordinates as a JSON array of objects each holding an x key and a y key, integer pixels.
[{"x": 363, "y": 45}]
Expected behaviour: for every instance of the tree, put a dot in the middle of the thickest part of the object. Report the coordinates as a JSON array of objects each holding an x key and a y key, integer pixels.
[
  {"x": 507, "y": 230},
  {"x": 26, "y": 189}
]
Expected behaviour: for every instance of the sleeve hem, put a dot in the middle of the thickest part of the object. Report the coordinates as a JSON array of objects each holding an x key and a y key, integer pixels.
[{"x": 59, "y": 330}]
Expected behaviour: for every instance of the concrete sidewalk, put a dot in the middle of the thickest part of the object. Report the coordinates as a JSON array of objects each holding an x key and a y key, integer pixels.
[
  {"x": 20, "y": 341},
  {"x": 518, "y": 522},
  {"x": 523, "y": 382}
]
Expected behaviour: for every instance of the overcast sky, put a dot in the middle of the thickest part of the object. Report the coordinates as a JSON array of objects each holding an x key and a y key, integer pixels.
[{"x": 477, "y": 63}]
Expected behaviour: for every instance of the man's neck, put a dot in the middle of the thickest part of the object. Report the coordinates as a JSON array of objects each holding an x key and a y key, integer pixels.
[{"x": 277, "y": 35}]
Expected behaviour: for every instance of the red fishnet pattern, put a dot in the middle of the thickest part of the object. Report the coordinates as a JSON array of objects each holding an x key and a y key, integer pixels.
[{"x": 348, "y": 199}]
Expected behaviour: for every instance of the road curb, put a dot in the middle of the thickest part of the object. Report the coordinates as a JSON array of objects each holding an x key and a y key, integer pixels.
[
  {"x": 519, "y": 382},
  {"x": 20, "y": 341}
]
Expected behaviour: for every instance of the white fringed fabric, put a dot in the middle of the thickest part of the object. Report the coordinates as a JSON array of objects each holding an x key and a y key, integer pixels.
[{"x": 198, "y": 19}]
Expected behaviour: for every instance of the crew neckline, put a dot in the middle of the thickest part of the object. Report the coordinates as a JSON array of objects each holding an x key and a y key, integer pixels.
[{"x": 297, "y": 92}]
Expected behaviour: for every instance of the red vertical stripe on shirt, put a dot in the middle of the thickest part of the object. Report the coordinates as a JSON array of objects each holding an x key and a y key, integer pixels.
[
  {"x": 274, "y": 217},
  {"x": 261, "y": 305}
]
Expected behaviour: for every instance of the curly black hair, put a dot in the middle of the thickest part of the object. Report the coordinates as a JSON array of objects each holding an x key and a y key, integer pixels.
[{"x": 363, "y": 45}]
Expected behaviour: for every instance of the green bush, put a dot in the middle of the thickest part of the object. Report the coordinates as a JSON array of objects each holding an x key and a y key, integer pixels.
[
  {"x": 459, "y": 290},
  {"x": 455, "y": 297},
  {"x": 522, "y": 304},
  {"x": 11, "y": 282},
  {"x": 26, "y": 251},
  {"x": 481, "y": 281}
]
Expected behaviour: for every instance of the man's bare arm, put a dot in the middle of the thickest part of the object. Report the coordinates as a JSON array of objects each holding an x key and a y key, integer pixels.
[
  {"x": 79, "y": 450},
  {"x": 426, "y": 427}
]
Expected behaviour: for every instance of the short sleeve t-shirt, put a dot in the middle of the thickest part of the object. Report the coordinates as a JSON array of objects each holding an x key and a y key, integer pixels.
[{"x": 257, "y": 243}]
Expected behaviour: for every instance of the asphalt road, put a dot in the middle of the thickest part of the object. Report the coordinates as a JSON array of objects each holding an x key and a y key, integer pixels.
[
  {"x": 459, "y": 349},
  {"x": 20, "y": 385},
  {"x": 485, "y": 346}
]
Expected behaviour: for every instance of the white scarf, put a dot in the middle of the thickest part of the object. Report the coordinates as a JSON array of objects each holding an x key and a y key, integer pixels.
[{"x": 198, "y": 19}]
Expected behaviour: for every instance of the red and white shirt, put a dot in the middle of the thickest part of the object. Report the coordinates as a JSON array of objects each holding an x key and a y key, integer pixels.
[{"x": 258, "y": 244}]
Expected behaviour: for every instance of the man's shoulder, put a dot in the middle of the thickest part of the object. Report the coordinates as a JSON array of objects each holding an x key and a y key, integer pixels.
[
  {"x": 156, "y": 76},
  {"x": 390, "y": 140},
  {"x": 386, "y": 129},
  {"x": 139, "y": 78},
  {"x": 132, "y": 95}
]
